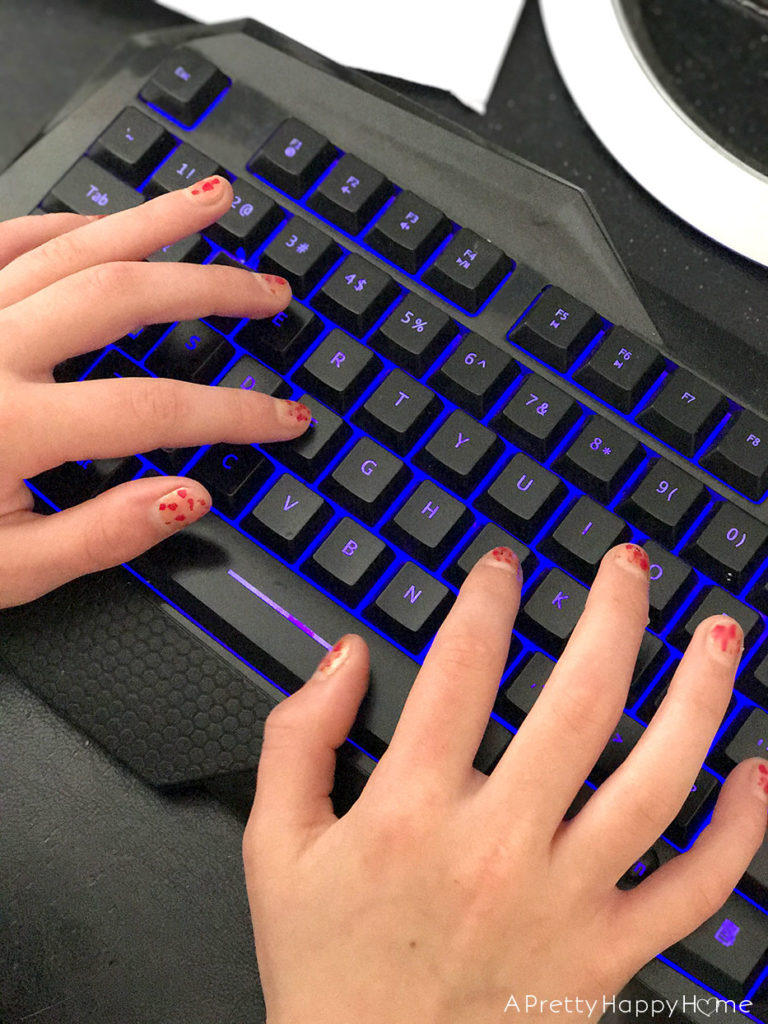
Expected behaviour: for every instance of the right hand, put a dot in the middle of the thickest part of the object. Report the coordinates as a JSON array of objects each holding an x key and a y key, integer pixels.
[{"x": 71, "y": 284}]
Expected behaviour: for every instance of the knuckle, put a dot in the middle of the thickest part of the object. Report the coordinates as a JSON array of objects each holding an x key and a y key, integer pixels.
[
  {"x": 113, "y": 279},
  {"x": 63, "y": 251},
  {"x": 462, "y": 653},
  {"x": 713, "y": 889},
  {"x": 156, "y": 401}
]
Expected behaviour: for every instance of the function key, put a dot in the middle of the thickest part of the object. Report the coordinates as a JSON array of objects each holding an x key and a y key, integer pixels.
[
  {"x": 740, "y": 455},
  {"x": 293, "y": 157},
  {"x": 411, "y": 606},
  {"x": 409, "y": 231},
  {"x": 185, "y": 166},
  {"x": 684, "y": 411},
  {"x": 475, "y": 374},
  {"x": 460, "y": 453},
  {"x": 89, "y": 189},
  {"x": 132, "y": 146},
  {"x": 247, "y": 222},
  {"x": 339, "y": 370},
  {"x": 399, "y": 411},
  {"x": 349, "y": 561},
  {"x": 414, "y": 334},
  {"x": 301, "y": 253},
  {"x": 356, "y": 294},
  {"x": 184, "y": 86},
  {"x": 621, "y": 369},
  {"x": 468, "y": 270},
  {"x": 729, "y": 546},
  {"x": 537, "y": 416},
  {"x": 600, "y": 459},
  {"x": 557, "y": 328},
  {"x": 665, "y": 502},
  {"x": 350, "y": 194}
]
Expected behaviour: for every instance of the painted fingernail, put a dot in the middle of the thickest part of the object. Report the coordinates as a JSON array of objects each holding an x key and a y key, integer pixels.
[
  {"x": 761, "y": 780},
  {"x": 182, "y": 506},
  {"x": 726, "y": 639},
  {"x": 334, "y": 658},
  {"x": 633, "y": 557},
  {"x": 207, "y": 191},
  {"x": 504, "y": 558},
  {"x": 273, "y": 284},
  {"x": 293, "y": 412}
]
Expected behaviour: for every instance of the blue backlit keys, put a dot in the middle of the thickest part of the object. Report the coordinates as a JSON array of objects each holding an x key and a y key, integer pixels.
[{"x": 184, "y": 86}]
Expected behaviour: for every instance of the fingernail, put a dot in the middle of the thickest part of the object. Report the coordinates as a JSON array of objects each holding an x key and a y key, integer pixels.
[
  {"x": 181, "y": 507},
  {"x": 633, "y": 557},
  {"x": 504, "y": 558},
  {"x": 293, "y": 412},
  {"x": 726, "y": 639},
  {"x": 334, "y": 658},
  {"x": 761, "y": 781},
  {"x": 207, "y": 191},
  {"x": 273, "y": 284}
]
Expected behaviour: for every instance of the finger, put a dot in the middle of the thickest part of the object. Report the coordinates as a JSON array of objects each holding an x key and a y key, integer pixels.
[
  {"x": 128, "y": 235},
  {"x": 19, "y": 235},
  {"x": 447, "y": 710},
  {"x": 97, "y": 419},
  {"x": 43, "y": 552},
  {"x": 686, "y": 891},
  {"x": 639, "y": 800},
  {"x": 301, "y": 735},
  {"x": 87, "y": 310},
  {"x": 563, "y": 735}
]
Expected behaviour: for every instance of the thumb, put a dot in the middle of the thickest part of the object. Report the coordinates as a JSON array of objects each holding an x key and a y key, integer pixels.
[{"x": 298, "y": 757}]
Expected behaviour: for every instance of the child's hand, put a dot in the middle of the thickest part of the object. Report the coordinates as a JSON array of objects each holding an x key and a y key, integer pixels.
[
  {"x": 71, "y": 284},
  {"x": 443, "y": 894}
]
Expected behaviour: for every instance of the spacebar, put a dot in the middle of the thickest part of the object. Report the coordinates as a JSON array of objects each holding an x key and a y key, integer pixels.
[{"x": 273, "y": 618}]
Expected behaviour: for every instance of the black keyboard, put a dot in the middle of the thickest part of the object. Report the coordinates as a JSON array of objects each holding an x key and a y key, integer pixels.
[{"x": 479, "y": 371}]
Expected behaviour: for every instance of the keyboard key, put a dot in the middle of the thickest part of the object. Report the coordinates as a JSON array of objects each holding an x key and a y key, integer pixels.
[
  {"x": 684, "y": 411},
  {"x": 301, "y": 253},
  {"x": 171, "y": 460},
  {"x": 192, "y": 249},
  {"x": 429, "y": 524},
  {"x": 468, "y": 270},
  {"x": 251, "y": 375},
  {"x": 350, "y": 194},
  {"x": 249, "y": 220},
  {"x": 88, "y": 189},
  {"x": 740, "y": 455},
  {"x": 349, "y": 561},
  {"x": 523, "y": 497},
  {"x": 114, "y": 364},
  {"x": 460, "y": 453},
  {"x": 408, "y": 231},
  {"x": 621, "y": 369},
  {"x": 651, "y": 657},
  {"x": 729, "y": 546},
  {"x": 698, "y": 804},
  {"x": 518, "y": 695},
  {"x": 399, "y": 411},
  {"x": 557, "y": 328},
  {"x": 293, "y": 157},
  {"x": 233, "y": 474},
  {"x": 671, "y": 581},
  {"x": 132, "y": 146},
  {"x": 551, "y": 611},
  {"x": 642, "y": 868},
  {"x": 495, "y": 741},
  {"x": 715, "y": 601},
  {"x": 754, "y": 881},
  {"x": 475, "y": 374},
  {"x": 356, "y": 295},
  {"x": 623, "y": 740},
  {"x": 537, "y": 417},
  {"x": 184, "y": 86},
  {"x": 665, "y": 502},
  {"x": 729, "y": 949},
  {"x": 73, "y": 482},
  {"x": 414, "y": 334},
  {"x": 288, "y": 517},
  {"x": 185, "y": 166},
  {"x": 309, "y": 454},
  {"x": 339, "y": 370},
  {"x": 489, "y": 537},
  {"x": 749, "y": 738},
  {"x": 281, "y": 340},
  {"x": 579, "y": 542},
  {"x": 411, "y": 607},
  {"x": 191, "y": 351},
  {"x": 367, "y": 480},
  {"x": 600, "y": 458}
]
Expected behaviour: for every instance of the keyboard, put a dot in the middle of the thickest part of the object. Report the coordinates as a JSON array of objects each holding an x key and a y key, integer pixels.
[{"x": 480, "y": 372}]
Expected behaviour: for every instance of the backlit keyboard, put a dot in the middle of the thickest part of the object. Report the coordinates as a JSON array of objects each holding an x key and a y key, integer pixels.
[{"x": 461, "y": 399}]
